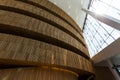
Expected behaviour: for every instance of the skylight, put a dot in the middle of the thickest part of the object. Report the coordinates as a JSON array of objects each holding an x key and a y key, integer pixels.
[{"x": 97, "y": 34}]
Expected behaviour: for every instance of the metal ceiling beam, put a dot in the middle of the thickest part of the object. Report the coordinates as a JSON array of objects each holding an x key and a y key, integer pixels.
[
  {"x": 105, "y": 19},
  {"x": 108, "y": 52}
]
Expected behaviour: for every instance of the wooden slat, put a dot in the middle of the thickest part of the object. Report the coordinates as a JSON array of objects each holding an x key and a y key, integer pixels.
[
  {"x": 25, "y": 49},
  {"x": 32, "y": 35},
  {"x": 40, "y": 27},
  {"x": 55, "y": 10},
  {"x": 37, "y": 74},
  {"x": 40, "y": 12}
]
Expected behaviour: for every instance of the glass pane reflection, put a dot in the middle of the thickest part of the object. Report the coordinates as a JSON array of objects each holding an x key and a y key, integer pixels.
[{"x": 97, "y": 34}]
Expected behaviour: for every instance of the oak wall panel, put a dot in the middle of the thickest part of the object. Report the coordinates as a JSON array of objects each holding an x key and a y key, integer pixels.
[{"x": 37, "y": 33}]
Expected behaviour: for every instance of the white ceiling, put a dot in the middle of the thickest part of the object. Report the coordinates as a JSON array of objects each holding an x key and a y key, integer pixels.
[{"x": 73, "y": 8}]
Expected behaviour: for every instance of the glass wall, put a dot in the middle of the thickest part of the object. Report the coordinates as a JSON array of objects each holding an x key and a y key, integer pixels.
[{"x": 97, "y": 34}]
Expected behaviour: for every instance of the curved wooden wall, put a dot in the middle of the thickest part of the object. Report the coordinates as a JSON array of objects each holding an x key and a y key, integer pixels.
[
  {"x": 36, "y": 32},
  {"x": 37, "y": 74},
  {"x": 20, "y": 48}
]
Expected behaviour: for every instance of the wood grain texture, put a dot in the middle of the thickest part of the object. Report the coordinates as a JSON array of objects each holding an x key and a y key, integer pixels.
[
  {"x": 38, "y": 26},
  {"x": 38, "y": 33},
  {"x": 40, "y": 12},
  {"x": 24, "y": 49},
  {"x": 50, "y": 7},
  {"x": 36, "y": 74}
]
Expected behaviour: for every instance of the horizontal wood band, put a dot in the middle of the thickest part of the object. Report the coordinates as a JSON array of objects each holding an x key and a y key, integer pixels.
[
  {"x": 51, "y": 11},
  {"x": 37, "y": 74},
  {"x": 26, "y": 22},
  {"x": 37, "y": 33},
  {"x": 44, "y": 16},
  {"x": 40, "y": 37},
  {"x": 25, "y": 49}
]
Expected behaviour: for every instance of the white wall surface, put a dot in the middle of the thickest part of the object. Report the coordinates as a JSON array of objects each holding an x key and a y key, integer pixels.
[{"x": 73, "y": 8}]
